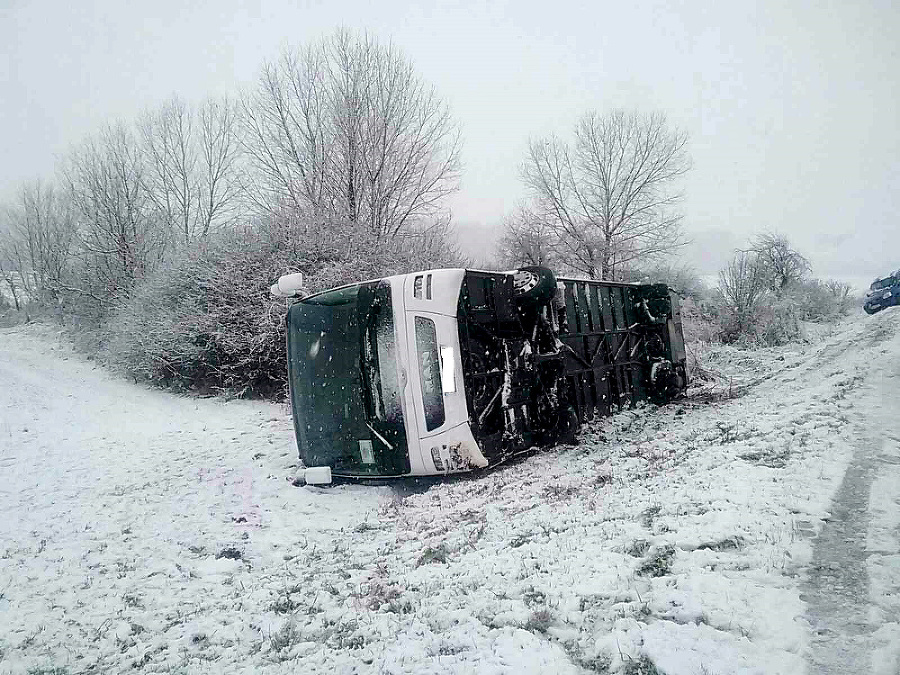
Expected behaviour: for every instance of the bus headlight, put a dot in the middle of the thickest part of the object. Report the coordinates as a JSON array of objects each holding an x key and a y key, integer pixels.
[{"x": 448, "y": 370}]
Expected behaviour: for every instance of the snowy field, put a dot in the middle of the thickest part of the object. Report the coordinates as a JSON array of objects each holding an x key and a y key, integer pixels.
[{"x": 148, "y": 533}]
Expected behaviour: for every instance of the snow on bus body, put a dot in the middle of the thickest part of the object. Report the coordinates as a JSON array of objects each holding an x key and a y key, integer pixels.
[{"x": 376, "y": 379}]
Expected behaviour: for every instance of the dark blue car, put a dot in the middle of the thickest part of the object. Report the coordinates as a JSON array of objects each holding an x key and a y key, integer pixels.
[{"x": 883, "y": 293}]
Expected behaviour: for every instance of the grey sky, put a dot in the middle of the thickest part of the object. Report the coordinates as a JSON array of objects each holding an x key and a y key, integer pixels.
[{"x": 792, "y": 108}]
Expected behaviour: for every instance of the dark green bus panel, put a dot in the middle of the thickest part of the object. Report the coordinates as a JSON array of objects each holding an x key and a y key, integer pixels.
[{"x": 344, "y": 384}]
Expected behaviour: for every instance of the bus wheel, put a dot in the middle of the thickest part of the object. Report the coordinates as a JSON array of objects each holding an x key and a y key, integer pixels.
[
  {"x": 664, "y": 381},
  {"x": 534, "y": 284}
]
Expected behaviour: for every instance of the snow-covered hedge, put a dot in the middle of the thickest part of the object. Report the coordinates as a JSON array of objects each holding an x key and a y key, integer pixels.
[{"x": 205, "y": 322}]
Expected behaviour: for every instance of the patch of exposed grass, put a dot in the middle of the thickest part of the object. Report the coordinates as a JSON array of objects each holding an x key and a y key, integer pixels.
[
  {"x": 557, "y": 491},
  {"x": 519, "y": 540},
  {"x": 638, "y": 548},
  {"x": 649, "y": 515},
  {"x": 533, "y": 597},
  {"x": 772, "y": 457},
  {"x": 436, "y": 554},
  {"x": 539, "y": 621},
  {"x": 284, "y": 638},
  {"x": 599, "y": 663},
  {"x": 285, "y": 604},
  {"x": 732, "y": 543},
  {"x": 230, "y": 552},
  {"x": 641, "y": 666},
  {"x": 658, "y": 563}
]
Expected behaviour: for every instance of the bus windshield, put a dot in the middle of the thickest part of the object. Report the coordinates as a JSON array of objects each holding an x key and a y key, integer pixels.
[{"x": 345, "y": 390}]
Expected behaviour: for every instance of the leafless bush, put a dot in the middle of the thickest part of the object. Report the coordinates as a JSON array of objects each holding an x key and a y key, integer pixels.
[
  {"x": 205, "y": 321},
  {"x": 698, "y": 322},
  {"x": 777, "y": 323},
  {"x": 742, "y": 286},
  {"x": 747, "y": 311},
  {"x": 817, "y": 300}
]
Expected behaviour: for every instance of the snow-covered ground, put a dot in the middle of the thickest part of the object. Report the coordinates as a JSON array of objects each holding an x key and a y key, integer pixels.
[{"x": 145, "y": 532}]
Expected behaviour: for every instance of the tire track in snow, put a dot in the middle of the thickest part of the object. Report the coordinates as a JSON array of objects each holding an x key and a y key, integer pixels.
[{"x": 837, "y": 588}]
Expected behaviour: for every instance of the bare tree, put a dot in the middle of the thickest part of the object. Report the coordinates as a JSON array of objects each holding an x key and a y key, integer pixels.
[
  {"x": 781, "y": 263},
  {"x": 39, "y": 238},
  {"x": 192, "y": 165},
  {"x": 612, "y": 192},
  {"x": 527, "y": 239},
  {"x": 683, "y": 279},
  {"x": 743, "y": 286},
  {"x": 120, "y": 233},
  {"x": 839, "y": 290},
  {"x": 221, "y": 193},
  {"x": 9, "y": 268},
  {"x": 345, "y": 128}
]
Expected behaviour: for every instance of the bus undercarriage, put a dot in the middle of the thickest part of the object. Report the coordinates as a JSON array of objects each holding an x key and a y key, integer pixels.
[{"x": 378, "y": 390}]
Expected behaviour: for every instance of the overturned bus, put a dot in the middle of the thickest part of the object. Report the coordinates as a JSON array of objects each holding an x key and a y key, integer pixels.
[{"x": 449, "y": 370}]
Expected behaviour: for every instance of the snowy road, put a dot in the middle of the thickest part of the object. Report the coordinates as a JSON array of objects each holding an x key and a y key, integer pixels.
[
  {"x": 146, "y": 532},
  {"x": 853, "y": 589}
]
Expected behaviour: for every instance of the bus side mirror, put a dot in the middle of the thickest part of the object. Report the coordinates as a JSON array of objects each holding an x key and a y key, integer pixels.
[{"x": 289, "y": 286}]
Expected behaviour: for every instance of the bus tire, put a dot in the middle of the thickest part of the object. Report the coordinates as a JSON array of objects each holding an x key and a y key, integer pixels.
[{"x": 534, "y": 284}]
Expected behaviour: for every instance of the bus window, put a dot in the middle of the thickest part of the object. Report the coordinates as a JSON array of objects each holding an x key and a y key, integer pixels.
[{"x": 430, "y": 369}]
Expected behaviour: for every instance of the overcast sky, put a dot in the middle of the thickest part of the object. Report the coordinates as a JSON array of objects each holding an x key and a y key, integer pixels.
[{"x": 793, "y": 109}]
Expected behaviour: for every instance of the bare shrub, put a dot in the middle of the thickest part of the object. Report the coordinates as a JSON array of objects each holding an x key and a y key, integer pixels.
[
  {"x": 742, "y": 287},
  {"x": 764, "y": 294},
  {"x": 746, "y": 310},
  {"x": 205, "y": 321},
  {"x": 658, "y": 563},
  {"x": 817, "y": 300},
  {"x": 777, "y": 323},
  {"x": 698, "y": 322},
  {"x": 539, "y": 621}
]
